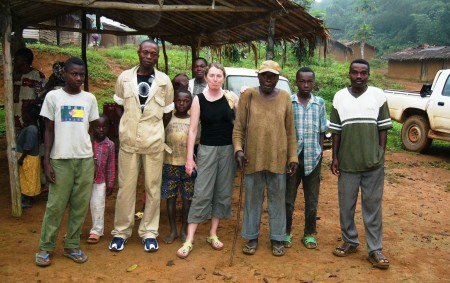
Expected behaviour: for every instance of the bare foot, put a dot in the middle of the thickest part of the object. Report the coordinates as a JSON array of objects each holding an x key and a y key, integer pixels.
[{"x": 170, "y": 238}]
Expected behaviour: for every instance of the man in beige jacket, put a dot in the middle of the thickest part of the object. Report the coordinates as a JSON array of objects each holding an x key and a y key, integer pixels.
[{"x": 147, "y": 98}]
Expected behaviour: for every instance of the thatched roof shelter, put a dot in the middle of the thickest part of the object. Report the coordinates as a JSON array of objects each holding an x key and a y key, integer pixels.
[
  {"x": 423, "y": 52},
  {"x": 199, "y": 22},
  {"x": 195, "y": 23}
]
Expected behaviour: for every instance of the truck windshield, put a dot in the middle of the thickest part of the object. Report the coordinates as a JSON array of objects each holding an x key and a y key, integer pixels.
[{"x": 234, "y": 83}]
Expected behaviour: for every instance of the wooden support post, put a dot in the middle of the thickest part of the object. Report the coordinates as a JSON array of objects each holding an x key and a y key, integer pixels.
[
  {"x": 84, "y": 48},
  {"x": 58, "y": 33},
  {"x": 166, "y": 59},
  {"x": 271, "y": 39},
  {"x": 9, "y": 113},
  {"x": 193, "y": 49}
]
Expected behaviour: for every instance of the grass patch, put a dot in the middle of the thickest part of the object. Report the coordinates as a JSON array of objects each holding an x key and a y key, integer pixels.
[{"x": 2, "y": 122}]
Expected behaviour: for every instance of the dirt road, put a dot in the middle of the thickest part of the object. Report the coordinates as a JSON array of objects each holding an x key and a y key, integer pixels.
[{"x": 416, "y": 239}]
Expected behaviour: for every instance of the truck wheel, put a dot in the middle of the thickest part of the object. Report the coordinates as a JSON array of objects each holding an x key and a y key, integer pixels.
[{"x": 414, "y": 134}]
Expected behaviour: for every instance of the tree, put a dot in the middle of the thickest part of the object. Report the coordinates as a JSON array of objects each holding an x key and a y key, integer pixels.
[{"x": 364, "y": 7}]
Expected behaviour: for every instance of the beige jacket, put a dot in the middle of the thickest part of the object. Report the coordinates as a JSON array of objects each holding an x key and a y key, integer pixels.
[{"x": 143, "y": 132}]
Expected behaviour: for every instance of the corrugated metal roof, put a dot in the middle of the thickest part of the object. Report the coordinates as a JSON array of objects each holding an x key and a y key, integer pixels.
[{"x": 190, "y": 21}]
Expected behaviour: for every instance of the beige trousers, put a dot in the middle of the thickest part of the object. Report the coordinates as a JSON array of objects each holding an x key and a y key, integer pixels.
[{"x": 129, "y": 167}]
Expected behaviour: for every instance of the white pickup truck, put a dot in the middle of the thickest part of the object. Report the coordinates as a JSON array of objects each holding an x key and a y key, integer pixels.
[{"x": 425, "y": 114}]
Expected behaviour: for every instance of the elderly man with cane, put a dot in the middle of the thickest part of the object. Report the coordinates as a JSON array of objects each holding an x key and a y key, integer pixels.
[{"x": 271, "y": 146}]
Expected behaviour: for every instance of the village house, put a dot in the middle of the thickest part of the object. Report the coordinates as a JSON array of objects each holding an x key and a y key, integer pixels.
[{"x": 418, "y": 63}]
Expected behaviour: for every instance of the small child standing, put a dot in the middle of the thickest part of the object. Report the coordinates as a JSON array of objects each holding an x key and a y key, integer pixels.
[
  {"x": 174, "y": 176},
  {"x": 28, "y": 154},
  {"x": 104, "y": 161},
  {"x": 68, "y": 161}
]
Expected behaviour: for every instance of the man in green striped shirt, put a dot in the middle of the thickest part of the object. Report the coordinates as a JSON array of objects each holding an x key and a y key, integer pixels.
[{"x": 359, "y": 122}]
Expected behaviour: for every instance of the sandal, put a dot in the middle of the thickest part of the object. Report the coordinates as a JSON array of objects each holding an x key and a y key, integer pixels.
[
  {"x": 138, "y": 215},
  {"x": 345, "y": 250},
  {"x": 277, "y": 248},
  {"x": 93, "y": 239},
  {"x": 185, "y": 249},
  {"x": 378, "y": 260},
  {"x": 43, "y": 259},
  {"x": 250, "y": 247},
  {"x": 309, "y": 241},
  {"x": 287, "y": 243},
  {"x": 215, "y": 242},
  {"x": 76, "y": 255}
]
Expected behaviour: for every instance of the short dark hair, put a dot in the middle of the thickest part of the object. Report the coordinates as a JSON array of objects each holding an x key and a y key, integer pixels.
[
  {"x": 148, "y": 41},
  {"x": 360, "y": 61},
  {"x": 26, "y": 54},
  {"x": 182, "y": 90},
  {"x": 107, "y": 120},
  {"x": 33, "y": 111},
  {"x": 305, "y": 70},
  {"x": 200, "y": 59},
  {"x": 73, "y": 61}
]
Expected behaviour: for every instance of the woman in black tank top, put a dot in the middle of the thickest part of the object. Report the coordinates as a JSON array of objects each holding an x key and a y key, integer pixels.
[{"x": 215, "y": 159}]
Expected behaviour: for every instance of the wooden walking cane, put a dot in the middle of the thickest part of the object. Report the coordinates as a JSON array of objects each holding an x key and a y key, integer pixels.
[{"x": 241, "y": 186}]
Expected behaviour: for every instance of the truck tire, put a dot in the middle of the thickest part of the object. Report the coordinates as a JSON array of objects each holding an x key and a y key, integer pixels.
[{"x": 414, "y": 134}]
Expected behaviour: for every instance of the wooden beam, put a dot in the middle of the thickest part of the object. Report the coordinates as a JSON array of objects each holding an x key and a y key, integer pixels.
[
  {"x": 84, "y": 48},
  {"x": 271, "y": 40},
  {"x": 166, "y": 58},
  {"x": 6, "y": 23},
  {"x": 114, "y": 32},
  {"x": 153, "y": 7}
]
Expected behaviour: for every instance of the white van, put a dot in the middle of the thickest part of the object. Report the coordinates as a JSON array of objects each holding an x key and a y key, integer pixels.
[{"x": 239, "y": 77}]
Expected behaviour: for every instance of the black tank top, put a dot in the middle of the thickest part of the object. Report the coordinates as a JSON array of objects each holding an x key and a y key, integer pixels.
[{"x": 217, "y": 121}]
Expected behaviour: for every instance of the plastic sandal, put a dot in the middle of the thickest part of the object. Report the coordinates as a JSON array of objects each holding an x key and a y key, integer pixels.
[
  {"x": 250, "y": 247},
  {"x": 215, "y": 242},
  {"x": 76, "y": 255},
  {"x": 287, "y": 243},
  {"x": 185, "y": 249},
  {"x": 278, "y": 249},
  {"x": 378, "y": 260},
  {"x": 309, "y": 241},
  {"x": 43, "y": 260},
  {"x": 345, "y": 250}
]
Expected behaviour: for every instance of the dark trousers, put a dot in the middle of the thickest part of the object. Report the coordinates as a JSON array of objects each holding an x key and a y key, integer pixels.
[{"x": 311, "y": 185}]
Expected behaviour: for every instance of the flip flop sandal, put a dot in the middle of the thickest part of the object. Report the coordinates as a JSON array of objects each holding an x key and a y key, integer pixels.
[
  {"x": 77, "y": 256},
  {"x": 215, "y": 242},
  {"x": 138, "y": 215},
  {"x": 378, "y": 260},
  {"x": 278, "y": 250},
  {"x": 345, "y": 250},
  {"x": 309, "y": 241},
  {"x": 93, "y": 239},
  {"x": 185, "y": 250},
  {"x": 287, "y": 243},
  {"x": 43, "y": 260},
  {"x": 250, "y": 247}
]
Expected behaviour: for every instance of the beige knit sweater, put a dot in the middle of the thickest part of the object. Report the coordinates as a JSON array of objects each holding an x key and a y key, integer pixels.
[{"x": 271, "y": 135}]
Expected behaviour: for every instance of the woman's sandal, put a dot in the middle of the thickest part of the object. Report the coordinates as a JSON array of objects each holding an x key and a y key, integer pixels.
[
  {"x": 76, "y": 255},
  {"x": 43, "y": 260},
  {"x": 278, "y": 248},
  {"x": 250, "y": 247},
  {"x": 185, "y": 249},
  {"x": 309, "y": 241},
  {"x": 215, "y": 242},
  {"x": 378, "y": 260},
  {"x": 345, "y": 250},
  {"x": 93, "y": 239}
]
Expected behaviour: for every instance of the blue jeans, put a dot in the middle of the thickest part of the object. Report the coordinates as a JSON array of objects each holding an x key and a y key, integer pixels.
[
  {"x": 311, "y": 186},
  {"x": 254, "y": 197}
]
